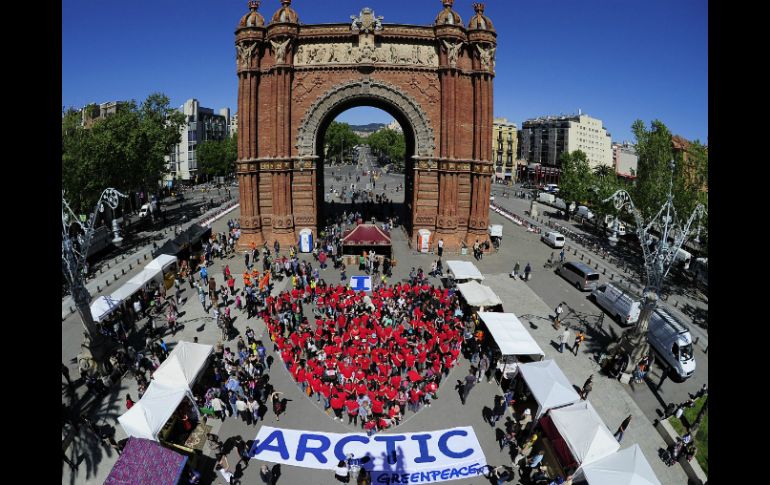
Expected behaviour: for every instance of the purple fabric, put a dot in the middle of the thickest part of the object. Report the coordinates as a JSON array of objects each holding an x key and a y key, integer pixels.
[{"x": 146, "y": 462}]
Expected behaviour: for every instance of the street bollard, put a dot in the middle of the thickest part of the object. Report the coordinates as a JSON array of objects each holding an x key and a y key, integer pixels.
[
  {"x": 123, "y": 270},
  {"x": 612, "y": 276},
  {"x": 138, "y": 261},
  {"x": 98, "y": 289},
  {"x": 115, "y": 276},
  {"x": 696, "y": 340},
  {"x": 145, "y": 255},
  {"x": 604, "y": 271},
  {"x": 130, "y": 266},
  {"x": 676, "y": 304},
  {"x": 596, "y": 265},
  {"x": 575, "y": 252},
  {"x": 581, "y": 257},
  {"x": 72, "y": 310},
  {"x": 589, "y": 261},
  {"x": 101, "y": 270},
  {"x": 106, "y": 283}
]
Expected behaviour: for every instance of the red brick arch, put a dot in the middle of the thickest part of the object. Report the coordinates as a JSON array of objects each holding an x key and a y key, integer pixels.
[{"x": 295, "y": 78}]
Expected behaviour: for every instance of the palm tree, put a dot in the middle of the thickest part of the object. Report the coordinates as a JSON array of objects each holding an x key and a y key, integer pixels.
[{"x": 603, "y": 171}]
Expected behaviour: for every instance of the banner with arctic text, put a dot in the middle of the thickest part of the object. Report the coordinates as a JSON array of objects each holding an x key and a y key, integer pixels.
[{"x": 429, "y": 457}]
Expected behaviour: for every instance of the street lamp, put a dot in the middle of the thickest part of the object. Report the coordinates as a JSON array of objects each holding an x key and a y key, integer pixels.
[
  {"x": 73, "y": 260},
  {"x": 657, "y": 261}
]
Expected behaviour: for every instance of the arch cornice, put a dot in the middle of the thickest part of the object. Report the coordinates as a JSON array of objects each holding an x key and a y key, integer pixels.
[{"x": 365, "y": 89}]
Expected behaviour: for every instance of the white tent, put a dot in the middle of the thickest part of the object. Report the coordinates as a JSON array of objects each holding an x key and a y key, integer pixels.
[
  {"x": 134, "y": 284},
  {"x": 510, "y": 335},
  {"x": 584, "y": 432},
  {"x": 147, "y": 417},
  {"x": 464, "y": 270},
  {"x": 102, "y": 307},
  {"x": 626, "y": 467},
  {"x": 162, "y": 262},
  {"x": 478, "y": 295},
  {"x": 548, "y": 384},
  {"x": 184, "y": 363}
]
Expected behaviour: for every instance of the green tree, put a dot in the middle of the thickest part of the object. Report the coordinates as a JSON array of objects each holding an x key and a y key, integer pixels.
[
  {"x": 576, "y": 180},
  {"x": 217, "y": 157},
  {"x": 605, "y": 184},
  {"x": 388, "y": 145},
  {"x": 339, "y": 141},
  {"x": 126, "y": 150}
]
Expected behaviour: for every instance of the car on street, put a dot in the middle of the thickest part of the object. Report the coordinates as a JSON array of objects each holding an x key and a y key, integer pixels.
[
  {"x": 579, "y": 274},
  {"x": 553, "y": 239},
  {"x": 619, "y": 302},
  {"x": 672, "y": 341}
]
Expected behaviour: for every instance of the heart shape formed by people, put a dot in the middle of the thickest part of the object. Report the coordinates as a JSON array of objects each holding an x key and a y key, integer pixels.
[{"x": 368, "y": 356}]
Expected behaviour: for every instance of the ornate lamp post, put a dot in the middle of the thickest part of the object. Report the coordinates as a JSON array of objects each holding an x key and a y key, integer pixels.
[
  {"x": 73, "y": 259},
  {"x": 657, "y": 260}
]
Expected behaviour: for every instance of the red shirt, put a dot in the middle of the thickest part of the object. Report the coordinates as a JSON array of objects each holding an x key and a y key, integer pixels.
[
  {"x": 377, "y": 406},
  {"x": 352, "y": 406},
  {"x": 337, "y": 402}
]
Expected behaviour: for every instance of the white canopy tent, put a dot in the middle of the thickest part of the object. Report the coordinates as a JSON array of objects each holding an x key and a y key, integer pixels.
[
  {"x": 134, "y": 284},
  {"x": 184, "y": 363},
  {"x": 496, "y": 230},
  {"x": 626, "y": 467},
  {"x": 584, "y": 432},
  {"x": 162, "y": 262},
  {"x": 548, "y": 384},
  {"x": 510, "y": 335},
  {"x": 147, "y": 417},
  {"x": 464, "y": 270},
  {"x": 478, "y": 295},
  {"x": 102, "y": 307}
]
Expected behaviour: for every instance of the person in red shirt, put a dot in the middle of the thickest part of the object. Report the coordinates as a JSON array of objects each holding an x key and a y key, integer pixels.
[
  {"x": 370, "y": 426},
  {"x": 129, "y": 401},
  {"x": 337, "y": 403},
  {"x": 377, "y": 407},
  {"x": 352, "y": 406}
]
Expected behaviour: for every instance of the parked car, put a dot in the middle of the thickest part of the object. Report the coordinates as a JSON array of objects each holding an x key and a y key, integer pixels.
[
  {"x": 553, "y": 239},
  {"x": 671, "y": 340},
  {"x": 620, "y": 303},
  {"x": 581, "y": 275},
  {"x": 584, "y": 212}
]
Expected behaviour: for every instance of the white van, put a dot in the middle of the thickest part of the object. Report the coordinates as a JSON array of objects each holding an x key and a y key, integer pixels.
[
  {"x": 672, "y": 341},
  {"x": 682, "y": 258},
  {"x": 553, "y": 239},
  {"x": 145, "y": 210},
  {"x": 622, "y": 304},
  {"x": 584, "y": 212}
]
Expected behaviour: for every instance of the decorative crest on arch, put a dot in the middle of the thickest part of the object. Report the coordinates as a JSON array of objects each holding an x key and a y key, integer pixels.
[
  {"x": 366, "y": 22},
  {"x": 365, "y": 88}
]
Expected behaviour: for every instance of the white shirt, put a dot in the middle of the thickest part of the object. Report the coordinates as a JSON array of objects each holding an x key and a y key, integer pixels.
[{"x": 225, "y": 474}]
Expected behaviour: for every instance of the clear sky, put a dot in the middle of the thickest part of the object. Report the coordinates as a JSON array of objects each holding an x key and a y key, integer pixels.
[{"x": 617, "y": 60}]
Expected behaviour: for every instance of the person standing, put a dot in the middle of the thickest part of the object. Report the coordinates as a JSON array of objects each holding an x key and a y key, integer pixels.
[
  {"x": 204, "y": 274},
  {"x": 563, "y": 339},
  {"x": 527, "y": 271},
  {"x": 440, "y": 247},
  {"x": 622, "y": 429},
  {"x": 516, "y": 269},
  {"x": 341, "y": 472},
  {"x": 266, "y": 475},
  {"x": 557, "y": 319},
  {"x": 279, "y": 404},
  {"x": 483, "y": 367},
  {"x": 587, "y": 387},
  {"x": 579, "y": 338},
  {"x": 561, "y": 256}
]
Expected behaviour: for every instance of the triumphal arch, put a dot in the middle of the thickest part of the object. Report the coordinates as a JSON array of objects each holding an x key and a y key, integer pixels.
[{"x": 294, "y": 79}]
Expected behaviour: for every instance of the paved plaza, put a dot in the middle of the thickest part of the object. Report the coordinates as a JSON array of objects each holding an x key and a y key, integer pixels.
[{"x": 612, "y": 400}]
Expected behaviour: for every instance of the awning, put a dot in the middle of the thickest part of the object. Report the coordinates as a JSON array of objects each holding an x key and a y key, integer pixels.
[
  {"x": 464, "y": 270},
  {"x": 478, "y": 295},
  {"x": 496, "y": 230},
  {"x": 186, "y": 360},
  {"x": 134, "y": 284},
  {"x": 366, "y": 235},
  {"x": 145, "y": 462},
  {"x": 147, "y": 417},
  {"x": 102, "y": 307},
  {"x": 162, "y": 262},
  {"x": 548, "y": 384},
  {"x": 584, "y": 432},
  {"x": 510, "y": 335},
  {"x": 626, "y": 467}
]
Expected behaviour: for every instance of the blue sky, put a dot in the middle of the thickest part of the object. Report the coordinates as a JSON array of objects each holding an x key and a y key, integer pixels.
[{"x": 617, "y": 60}]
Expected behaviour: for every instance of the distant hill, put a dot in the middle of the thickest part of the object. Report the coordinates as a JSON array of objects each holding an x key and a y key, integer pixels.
[{"x": 371, "y": 127}]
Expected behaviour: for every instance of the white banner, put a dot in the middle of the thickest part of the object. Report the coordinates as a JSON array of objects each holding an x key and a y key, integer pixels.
[{"x": 430, "y": 457}]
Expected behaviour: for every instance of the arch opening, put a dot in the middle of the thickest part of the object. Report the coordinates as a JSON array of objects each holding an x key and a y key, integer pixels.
[{"x": 360, "y": 187}]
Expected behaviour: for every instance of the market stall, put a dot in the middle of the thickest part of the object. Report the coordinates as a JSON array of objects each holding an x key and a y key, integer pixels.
[
  {"x": 168, "y": 265},
  {"x": 151, "y": 413},
  {"x": 549, "y": 386},
  {"x": 365, "y": 238},
  {"x": 103, "y": 306},
  {"x": 145, "y": 462},
  {"x": 185, "y": 362},
  {"x": 463, "y": 271},
  {"x": 626, "y": 467},
  {"x": 479, "y": 296},
  {"x": 511, "y": 337},
  {"x": 578, "y": 435}
]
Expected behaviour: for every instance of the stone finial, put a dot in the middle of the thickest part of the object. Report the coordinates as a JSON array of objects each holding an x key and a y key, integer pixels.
[
  {"x": 448, "y": 3},
  {"x": 478, "y": 7},
  {"x": 285, "y": 3},
  {"x": 254, "y": 4}
]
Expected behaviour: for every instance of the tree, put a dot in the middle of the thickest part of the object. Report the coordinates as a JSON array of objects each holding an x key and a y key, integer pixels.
[
  {"x": 124, "y": 150},
  {"x": 388, "y": 145},
  {"x": 576, "y": 179},
  {"x": 339, "y": 140},
  {"x": 605, "y": 184},
  {"x": 217, "y": 157}
]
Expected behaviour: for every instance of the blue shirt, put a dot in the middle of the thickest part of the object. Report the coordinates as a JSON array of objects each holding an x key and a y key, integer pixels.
[
  {"x": 536, "y": 461},
  {"x": 204, "y": 273}
]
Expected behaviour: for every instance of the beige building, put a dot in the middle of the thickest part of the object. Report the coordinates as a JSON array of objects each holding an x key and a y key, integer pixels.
[
  {"x": 625, "y": 159},
  {"x": 543, "y": 140},
  {"x": 504, "y": 147}
]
